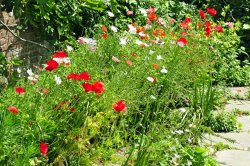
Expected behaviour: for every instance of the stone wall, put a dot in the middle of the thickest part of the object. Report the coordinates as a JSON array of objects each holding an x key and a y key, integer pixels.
[
  {"x": 6, "y": 38},
  {"x": 14, "y": 47}
]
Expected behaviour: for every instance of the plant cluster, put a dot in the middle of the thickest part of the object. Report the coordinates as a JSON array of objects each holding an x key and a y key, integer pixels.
[
  {"x": 67, "y": 20},
  {"x": 144, "y": 92},
  {"x": 222, "y": 122}
]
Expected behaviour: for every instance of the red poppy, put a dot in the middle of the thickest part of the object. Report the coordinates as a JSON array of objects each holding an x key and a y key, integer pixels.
[
  {"x": 85, "y": 76},
  {"x": 199, "y": 24},
  {"x": 218, "y": 28},
  {"x": 73, "y": 76},
  {"x": 207, "y": 24},
  {"x": 152, "y": 16},
  {"x": 87, "y": 87},
  {"x": 208, "y": 31},
  {"x": 120, "y": 106},
  {"x": 51, "y": 65},
  {"x": 140, "y": 29},
  {"x": 187, "y": 20},
  {"x": 44, "y": 148},
  {"x": 13, "y": 110},
  {"x": 104, "y": 28},
  {"x": 156, "y": 66},
  {"x": 211, "y": 11},
  {"x": 105, "y": 36},
  {"x": 20, "y": 90},
  {"x": 60, "y": 54},
  {"x": 183, "y": 40},
  {"x": 98, "y": 87},
  {"x": 202, "y": 14}
]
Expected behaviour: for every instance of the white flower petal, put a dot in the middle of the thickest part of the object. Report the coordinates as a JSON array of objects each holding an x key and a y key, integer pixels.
[{"x": 110, "y": 14}]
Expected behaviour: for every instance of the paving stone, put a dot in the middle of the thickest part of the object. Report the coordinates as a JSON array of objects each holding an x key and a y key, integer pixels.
[
  {"x": 233, "y": 158},
  {"x": 243, "y": 105},
  {"x": 245, "y": 121},
  {"x": 240, "y": 92},
  {"x": 242, "y": 140}
]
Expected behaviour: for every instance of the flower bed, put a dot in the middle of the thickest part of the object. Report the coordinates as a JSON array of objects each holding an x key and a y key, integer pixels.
[{"x": 147, "y": 89}]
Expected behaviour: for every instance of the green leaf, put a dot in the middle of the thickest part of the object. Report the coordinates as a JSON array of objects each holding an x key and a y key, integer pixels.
[{"x": 16, "y": 62}]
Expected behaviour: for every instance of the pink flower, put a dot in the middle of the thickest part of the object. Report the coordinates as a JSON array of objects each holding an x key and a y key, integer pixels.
[
  {"x": 151, "y": 10},
  {"x": 129, "y": 62},
  {"x": 115, "y": 59},
  {"x": 230, "y": 24},
  {"x": 130, "y": 12}
]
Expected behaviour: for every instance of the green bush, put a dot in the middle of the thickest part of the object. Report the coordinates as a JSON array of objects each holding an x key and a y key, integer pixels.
[
  {"x": 222, "y": 122},
  {"x": 84, "y": 127}
]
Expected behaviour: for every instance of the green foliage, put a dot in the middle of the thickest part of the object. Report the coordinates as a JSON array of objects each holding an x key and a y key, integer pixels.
[
  {"x": 198, "y": 156},
  {"x": 222, "y": 122},
  {"x": 94, "y": 130},
  {"x": 59, "y": 19},
  {"x": 166, "y": 110}
]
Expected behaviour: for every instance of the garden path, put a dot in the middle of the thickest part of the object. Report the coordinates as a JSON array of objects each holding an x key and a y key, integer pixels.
[{"x": 239, "y": 142}]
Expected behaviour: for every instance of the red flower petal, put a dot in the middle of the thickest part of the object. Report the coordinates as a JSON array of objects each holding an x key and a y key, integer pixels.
[
  {"x": 183, "y": 40},
  {"x": 105, "y": 35},
  {"x": 120, "y": 106},
  {"x": 85, "y": 76},
  {"x": 20, "y": 90},
  {"x": 98, "y": 87},
  {"x": 187, "y": 20},
  {"x": 152, "y": 16},
  {"x": 13, "y": 110},
  {"x": 72, "y": 76},
  {"x": 211, "y": 11},
  {"x": 87, "y": 87},
  {"x": 218, "y": 28},
  {"x": 44, "y": 148},
  {"x": 51, "y": 65},
  {"x": 202, "y": 14},
  {"x": 60, "y": 54}
]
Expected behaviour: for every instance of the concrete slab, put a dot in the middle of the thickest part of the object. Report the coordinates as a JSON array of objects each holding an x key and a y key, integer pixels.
[
  {"x": 243, "y": 105},
  {"x": 245, "y": 121},
  {"x": 233, "y": 158},
  {"x": 239, "y": 92},
  {"x": 241, "y": 140}
]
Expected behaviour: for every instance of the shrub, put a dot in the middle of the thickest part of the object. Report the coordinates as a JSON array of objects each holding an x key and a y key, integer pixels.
[{"x": 222, "y": 122}]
